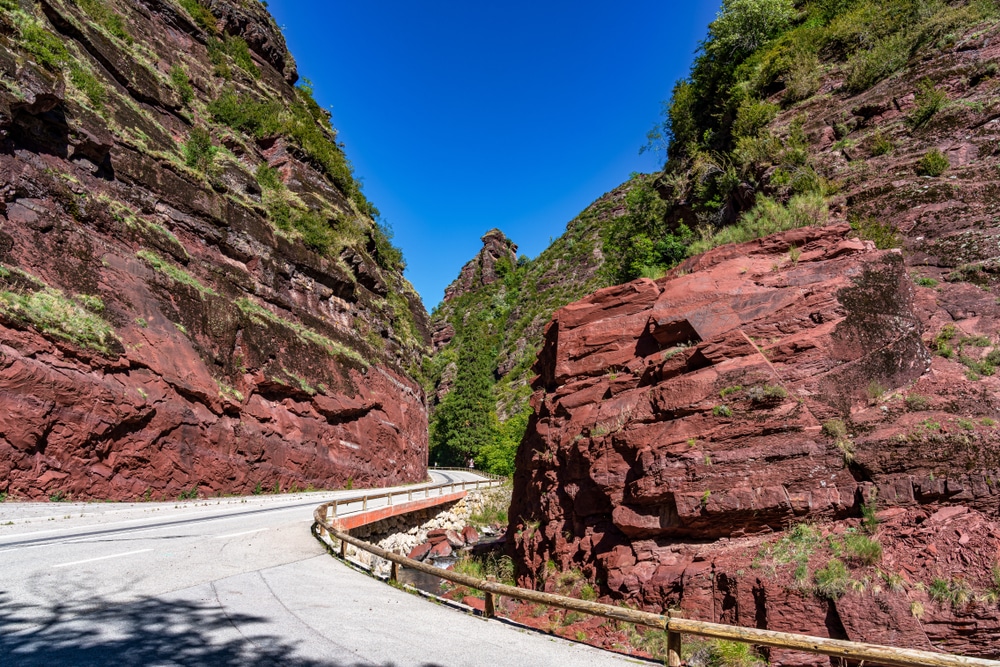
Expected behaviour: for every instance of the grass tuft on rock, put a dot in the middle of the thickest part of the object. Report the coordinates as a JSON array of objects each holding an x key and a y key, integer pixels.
[{"x": 52, "y": 312}]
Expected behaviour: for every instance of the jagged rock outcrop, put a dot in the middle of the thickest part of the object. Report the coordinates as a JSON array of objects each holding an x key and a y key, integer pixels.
[
  {"x": 481, "y": 269},
  {"x": 681, "y": 424},
  {"x": 189, "y": 298}
]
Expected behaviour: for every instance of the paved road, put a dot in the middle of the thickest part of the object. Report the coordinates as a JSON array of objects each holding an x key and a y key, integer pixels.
[{"x": 234, "y": 581}]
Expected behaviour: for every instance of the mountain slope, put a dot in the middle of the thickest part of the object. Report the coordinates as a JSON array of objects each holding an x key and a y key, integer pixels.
[
  {"x": 194, "y": 296},
  {"x": 492, "y": 322}
]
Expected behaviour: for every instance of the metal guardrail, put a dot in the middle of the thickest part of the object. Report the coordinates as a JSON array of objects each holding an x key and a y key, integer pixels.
[
  {"x": 474, "y": 471},
  {"x": 415, "y": 494},
  {"x": 674, "y": 625}
]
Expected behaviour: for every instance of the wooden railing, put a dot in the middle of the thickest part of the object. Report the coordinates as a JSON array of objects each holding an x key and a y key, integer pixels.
[{"x": 674, "y": 625}]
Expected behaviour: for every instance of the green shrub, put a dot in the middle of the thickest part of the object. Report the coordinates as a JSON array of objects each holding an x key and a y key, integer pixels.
[
  {"x": 933, "y": 163},
  {"x": 923, "y": 281},
  {"x": 955, "y": 592},
  {"x": 182, "y": 84},
  {"x": 929, "y": 100},
  {"x": 743, "y": 26},
  {"x": 259, "y": 119},
  {"x": 768, "y": 394},
  {"x": 107, "y": 18},
  {"x": 723, "y": 653},
  {"x": 387, "y": 255},
  {"x": 201, "y": 15},
  {"x": 722, "y": 411},
  {"x": 89, "y": 85},
  {"x": 869, "y": 66},
  {"x": 917, "y": 402},
  {"x": 835, "y": 428},
  {"x": 199, "y": 152},
  {"x": 268, "y": 178},
  {"x": 863, "y": 549},
  {"x": 869, "y": 513},
  {"x": 234, "y": 47},
  {"x": 883, "y": 234},
  {"x": 832, "y": 580},
  {"x": 47, "y": 49},
  {"x": 879, "y": 144},
  {"x": 767, "y": 217},
  {"x": 752, "y": 117}
]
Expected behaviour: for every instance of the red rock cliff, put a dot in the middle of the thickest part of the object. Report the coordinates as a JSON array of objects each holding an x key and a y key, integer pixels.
[
  {"x": 684, "y": 426},
  {"x": 170, "y": 320}
]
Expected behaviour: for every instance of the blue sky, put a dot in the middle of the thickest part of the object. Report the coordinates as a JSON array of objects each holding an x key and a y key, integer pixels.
[{"x": 461, "y": 117}]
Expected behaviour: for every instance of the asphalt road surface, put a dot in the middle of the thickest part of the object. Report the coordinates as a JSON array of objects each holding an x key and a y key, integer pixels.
[{"x": 225, "y": 582}]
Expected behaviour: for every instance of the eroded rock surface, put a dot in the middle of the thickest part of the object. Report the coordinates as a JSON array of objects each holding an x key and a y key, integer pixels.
[
  {"x": 683, "y": 426},
  {"x": 162, "y": 330}
]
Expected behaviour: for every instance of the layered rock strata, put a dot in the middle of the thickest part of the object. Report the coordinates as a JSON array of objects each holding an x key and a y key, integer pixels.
[
  {"x": 183, "y": 312},
  {"x": 684, "y": 426}
]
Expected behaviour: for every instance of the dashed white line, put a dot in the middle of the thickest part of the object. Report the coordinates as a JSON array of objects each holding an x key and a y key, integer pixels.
[
  {"x": 91, "y": 560},
  {"x": 245, "y": 532}
]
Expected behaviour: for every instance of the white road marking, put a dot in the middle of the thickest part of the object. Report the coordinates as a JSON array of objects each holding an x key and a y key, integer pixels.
[
  {"x": 245, "y": 532},
  {"x": 91, "y": 560}
]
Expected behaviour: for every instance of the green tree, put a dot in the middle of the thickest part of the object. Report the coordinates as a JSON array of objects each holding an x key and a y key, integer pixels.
[
  {"x": 743, "y": 26},
  {"x": 464, "y": 422}
]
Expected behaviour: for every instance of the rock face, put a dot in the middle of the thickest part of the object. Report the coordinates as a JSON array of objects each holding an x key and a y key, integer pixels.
[
  {"x": 173, "y": 318},
  {"x": 681, "y": 424},
  {"x": 481, "y": 269}
]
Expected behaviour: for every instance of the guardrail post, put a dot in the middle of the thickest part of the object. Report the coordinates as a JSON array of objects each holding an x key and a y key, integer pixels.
[
  {"x": 409, "y": 495},
  {"x": 394, "y": 572},
  {"x": 343, "y": 550},
  {"x": 490, "y": 610},
  {"x": 390, "y": 500},
  {"x": 364, "y": 504},
  {"x": 490, "y": 606},
  {"x": 673, "y": 646}
]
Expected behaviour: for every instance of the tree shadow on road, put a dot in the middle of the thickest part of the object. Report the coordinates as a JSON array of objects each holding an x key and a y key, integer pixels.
[{"x": 147, "y": 632}]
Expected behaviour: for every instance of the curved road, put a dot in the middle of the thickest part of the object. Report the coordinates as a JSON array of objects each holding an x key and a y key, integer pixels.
[{"x": 225, "y": 582}]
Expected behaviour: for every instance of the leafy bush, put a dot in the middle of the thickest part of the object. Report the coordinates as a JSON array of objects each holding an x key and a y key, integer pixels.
[
  {"x": 879, "y": 144},
  {"x": 387, "y": 255},
  {"x": 767, "y": 217},
  {"x": 917, "y": 402},
  {"x": 743, "y": 26},
  {"x": 752, "y": 117},
  {"x": 199, "y": 152},
  {"x": 201, "y": 15},
  {"x": 768, "y": 394},
  {"x": 869, "y": 66},
  {"x": 234, "y": 47},
  {"x": 929, "y": 100},
  {"x": 259, "y": 119},
  {"x": 268, "y": 179},
  {"x": 933, "y": 163},
  {"x": 883, "y": 234},
  {"x": 182, "y": 84}
]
